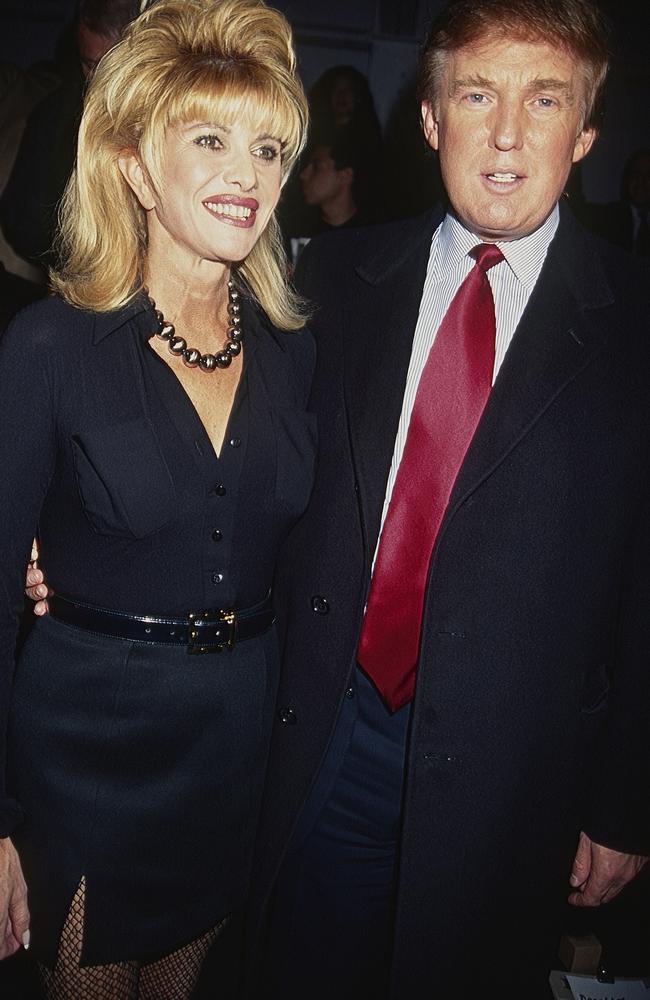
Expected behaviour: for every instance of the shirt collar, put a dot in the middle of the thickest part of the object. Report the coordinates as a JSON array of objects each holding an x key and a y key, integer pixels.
[
  {"x": 106, "y": 323},
  {"x": 139, "y": 309},
  {"x": 525, "y": 256}
]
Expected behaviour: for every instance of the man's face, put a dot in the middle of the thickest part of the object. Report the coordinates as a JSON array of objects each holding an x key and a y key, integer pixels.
[
  {"x": 507, "y": 129},
  {"x": 319, "y": 179}
]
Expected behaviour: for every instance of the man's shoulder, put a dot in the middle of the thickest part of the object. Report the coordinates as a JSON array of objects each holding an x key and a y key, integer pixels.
[
  {"x": 332, "y": 258},
  {"x": 359, "y": 241},
  {"x": 598, "y": 261}
]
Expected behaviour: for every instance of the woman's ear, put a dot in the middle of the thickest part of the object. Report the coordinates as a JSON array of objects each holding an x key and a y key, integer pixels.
[{"x": 136, "y": 177}]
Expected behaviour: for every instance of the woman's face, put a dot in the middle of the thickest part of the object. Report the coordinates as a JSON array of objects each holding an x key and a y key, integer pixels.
[{"x": 219, "y": 185}]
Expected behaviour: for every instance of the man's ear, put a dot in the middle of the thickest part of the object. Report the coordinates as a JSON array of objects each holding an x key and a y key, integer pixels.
[
  {"x": 584, "y": 142},
  {"x": 136, "y": 177},
  {"x": 429, "y": 124}
]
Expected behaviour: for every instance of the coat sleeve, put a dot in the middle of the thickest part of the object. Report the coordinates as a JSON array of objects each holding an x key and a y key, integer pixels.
[
  {"x": 620, "y": 798},
  {"x": 27, "y": 451}
]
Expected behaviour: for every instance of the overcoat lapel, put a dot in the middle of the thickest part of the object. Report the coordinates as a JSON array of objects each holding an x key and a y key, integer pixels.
[
  {"x": 378, "y": 336},
  {"x": 556, "y": 339}
]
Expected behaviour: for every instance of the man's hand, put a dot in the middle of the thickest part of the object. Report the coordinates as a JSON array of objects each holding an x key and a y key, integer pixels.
[
  {"x": 599, "y": 873},
  {"x": 35, "y": 586},
  {"x": 14, "y": 914}
]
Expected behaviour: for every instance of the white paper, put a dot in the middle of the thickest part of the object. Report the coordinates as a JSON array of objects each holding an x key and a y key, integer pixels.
[{"x": 588, "y": 988}]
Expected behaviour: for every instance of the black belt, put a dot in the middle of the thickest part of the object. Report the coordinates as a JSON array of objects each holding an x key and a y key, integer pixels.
[{"x": 201, "y": 631}]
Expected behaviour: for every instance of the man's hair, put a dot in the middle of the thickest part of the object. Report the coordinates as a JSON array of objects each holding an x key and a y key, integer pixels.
[
  {"x": 577, "y": 27},
  {"x": 107, "y": 18},
  {"x": 348, "y": 149},
  {"x": 179, "y": 61}
]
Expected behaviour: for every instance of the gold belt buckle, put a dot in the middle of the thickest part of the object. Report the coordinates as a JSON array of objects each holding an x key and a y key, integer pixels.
[{"x": 222, "y": 621}]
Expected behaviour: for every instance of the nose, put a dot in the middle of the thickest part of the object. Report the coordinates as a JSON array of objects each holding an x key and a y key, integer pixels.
[
  {"x": 240, "y": 170},
  {"x": 507, "y": 126}
]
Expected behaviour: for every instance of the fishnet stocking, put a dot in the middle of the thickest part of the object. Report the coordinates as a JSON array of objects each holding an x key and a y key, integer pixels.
[{"x": 172, "y": 977}]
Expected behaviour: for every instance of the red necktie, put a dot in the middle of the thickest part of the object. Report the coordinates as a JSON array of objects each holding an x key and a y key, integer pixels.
[{"x": 453, "y": 389}]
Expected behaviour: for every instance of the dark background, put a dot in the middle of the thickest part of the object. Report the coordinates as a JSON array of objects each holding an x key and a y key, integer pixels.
[{"x": 381, "y": 38}]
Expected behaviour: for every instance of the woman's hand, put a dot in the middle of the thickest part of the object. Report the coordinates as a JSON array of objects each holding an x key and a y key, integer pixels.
[
  {"x": 35, "y": 585},
  {"x": 14, "y": 914}
]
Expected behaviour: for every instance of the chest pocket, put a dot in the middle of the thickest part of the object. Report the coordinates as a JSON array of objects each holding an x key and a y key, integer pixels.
[
  {"x": 297, "y": 438},
  {"x": 124, "y": 483}
]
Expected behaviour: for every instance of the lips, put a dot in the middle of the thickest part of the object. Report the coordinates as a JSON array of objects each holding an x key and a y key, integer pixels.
[
  {"x": 503, "y": 177},
  {"x": 232, "y": 210}
]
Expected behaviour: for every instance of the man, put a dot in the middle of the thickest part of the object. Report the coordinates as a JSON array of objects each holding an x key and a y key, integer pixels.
[
  {"x": 421, "y": 833},
  {"x": 335, "y": 183},
  {"x": 427, "y": 849},
  {"x": 327, "y": 181},
  {"x": 627, "y": 222}
]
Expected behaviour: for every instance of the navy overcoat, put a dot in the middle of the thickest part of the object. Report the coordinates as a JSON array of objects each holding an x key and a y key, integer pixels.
[{"x": 531, "y": 718}]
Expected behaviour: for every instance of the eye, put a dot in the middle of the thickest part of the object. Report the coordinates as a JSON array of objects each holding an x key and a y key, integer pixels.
[
  {"x": 268, "y": 153},
  {"x": 545, "y": 102},
  {"x": 476, "y": 98},
  {"x": 208, "y": 141}
]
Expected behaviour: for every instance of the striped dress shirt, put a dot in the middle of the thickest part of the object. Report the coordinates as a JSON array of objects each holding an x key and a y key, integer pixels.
[{"x": 512, "y": 281}]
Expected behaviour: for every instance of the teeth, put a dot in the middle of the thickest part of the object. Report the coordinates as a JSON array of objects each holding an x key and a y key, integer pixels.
[
  {"x": 503, "y": 178},
  {"x": 233, "y": 211}
]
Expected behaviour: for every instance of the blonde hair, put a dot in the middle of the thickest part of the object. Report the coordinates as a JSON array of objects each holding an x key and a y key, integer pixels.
[{"x": 179, "y": 61}]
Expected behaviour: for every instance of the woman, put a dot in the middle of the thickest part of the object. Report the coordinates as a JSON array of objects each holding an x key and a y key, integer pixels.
[{"x": 163, "y": 473}]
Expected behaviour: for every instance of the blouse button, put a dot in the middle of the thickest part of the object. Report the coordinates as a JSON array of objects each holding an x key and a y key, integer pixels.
[
  {"x": 216, "y": 535},
  {"x": 235, "y": 442},
  {"x": 217, "y": 577},
  {"x": 287, "y": 716},
  {"x": 220, "y": 490}
]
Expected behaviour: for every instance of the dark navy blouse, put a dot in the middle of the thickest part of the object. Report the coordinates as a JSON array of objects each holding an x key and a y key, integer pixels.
[{"x": 104, "y": 456}]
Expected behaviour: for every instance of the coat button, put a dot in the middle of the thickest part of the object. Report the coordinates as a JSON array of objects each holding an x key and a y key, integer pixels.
[
  {"x": 216, "y": 535},
  {"x": 287, "y": 716},
  {"x": 220, "y": 490},
  {"x": 217, "y": 577},
  {"x": 235, "y": 442},
  {"x": 320, "y": 605}
]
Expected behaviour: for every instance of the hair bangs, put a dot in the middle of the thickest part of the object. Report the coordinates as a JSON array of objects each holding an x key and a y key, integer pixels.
[{"x": 225, "y": 92}]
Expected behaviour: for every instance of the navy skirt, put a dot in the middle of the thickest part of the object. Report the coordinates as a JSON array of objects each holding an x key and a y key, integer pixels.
[{"x": 139, "y": 768}]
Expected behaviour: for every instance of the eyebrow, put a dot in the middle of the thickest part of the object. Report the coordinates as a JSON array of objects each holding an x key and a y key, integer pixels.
[
  {"x": 223, "y": 128},
  {"x": 227, "y": 128},
  {"x": 538, "y": 83}
]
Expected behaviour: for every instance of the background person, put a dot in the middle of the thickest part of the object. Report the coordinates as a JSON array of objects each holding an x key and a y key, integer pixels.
[
  {"x": 343, "y": 119},
  {"x": 338, "y": 187},
  {"x": 170, "y": 456},
  {"x": 423, "y": 827},
  {"x": 29, "y": 204},
  {"x": 626, "y": 222}
]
